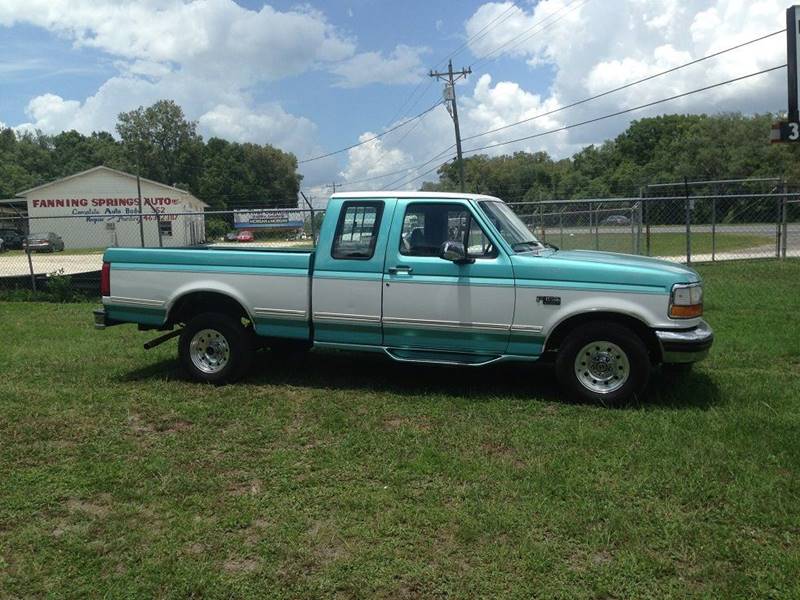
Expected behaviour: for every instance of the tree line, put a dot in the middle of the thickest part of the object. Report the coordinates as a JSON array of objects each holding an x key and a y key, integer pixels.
[
  {"x": 667, "y": 148},
  {"x": 161, "y": 144}
]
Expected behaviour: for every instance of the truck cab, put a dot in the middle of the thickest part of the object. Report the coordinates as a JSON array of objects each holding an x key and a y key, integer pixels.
[{"x": 423, "y": 277}]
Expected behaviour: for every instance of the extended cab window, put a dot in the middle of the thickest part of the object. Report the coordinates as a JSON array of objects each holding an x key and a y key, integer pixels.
[
  {"x": 427, "y": 226},
  {"x": 357, "y": 230}
]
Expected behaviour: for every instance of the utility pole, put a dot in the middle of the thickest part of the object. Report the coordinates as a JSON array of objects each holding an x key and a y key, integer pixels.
[{"x": 450, "y": 79}]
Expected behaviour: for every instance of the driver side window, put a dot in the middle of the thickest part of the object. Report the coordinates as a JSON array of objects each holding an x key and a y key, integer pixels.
[{"x": 427, "y": 226}]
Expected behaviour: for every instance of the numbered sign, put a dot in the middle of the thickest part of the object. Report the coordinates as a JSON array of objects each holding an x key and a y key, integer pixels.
[{"x": 785, "y": 131}]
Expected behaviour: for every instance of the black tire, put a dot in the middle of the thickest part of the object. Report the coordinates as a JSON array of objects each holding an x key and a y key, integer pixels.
[
  {"x": 230, "y": 334},
  {"x": 633, "y": 351}
]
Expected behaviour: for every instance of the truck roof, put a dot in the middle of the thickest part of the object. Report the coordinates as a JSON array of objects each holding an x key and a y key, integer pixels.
[{"x": 407, "y": 194}]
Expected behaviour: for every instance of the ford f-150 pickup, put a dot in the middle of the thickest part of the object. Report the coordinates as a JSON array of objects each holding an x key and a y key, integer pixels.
[{"x": 446, "y": 278}]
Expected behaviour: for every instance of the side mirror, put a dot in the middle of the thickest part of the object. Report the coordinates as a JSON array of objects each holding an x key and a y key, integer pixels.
[{"x": 454, "y": 252}]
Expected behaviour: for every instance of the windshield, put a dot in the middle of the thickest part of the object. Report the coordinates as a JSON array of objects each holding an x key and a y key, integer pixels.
[{"x": 510, "y": 226}]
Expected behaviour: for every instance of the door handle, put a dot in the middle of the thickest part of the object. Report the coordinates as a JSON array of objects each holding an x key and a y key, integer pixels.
[{"x": 400, "y": 269}]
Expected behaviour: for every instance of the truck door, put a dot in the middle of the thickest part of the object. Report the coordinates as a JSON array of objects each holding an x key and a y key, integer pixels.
[
  {"x": 348, "y": 273},
  {"x": 436, "y": 304}
]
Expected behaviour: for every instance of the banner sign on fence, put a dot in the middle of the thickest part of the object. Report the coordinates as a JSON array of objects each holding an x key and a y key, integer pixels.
[{"x": 266, "y": 218}]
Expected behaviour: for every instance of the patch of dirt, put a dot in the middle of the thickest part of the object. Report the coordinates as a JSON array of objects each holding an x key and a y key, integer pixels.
[
  {"x": 326, "y": 544},
  {"x": 140, "y": 426},
  {"x": 245, "y": 488},
  {"x": 241, "y": 565},
  {"x": 256, "y": 532},
  {"x": 503, "y": 452},
  {"x": 195, "y": 549},
  {"x": 581, "y": 561},
  {"x": 88, "y": 508}
]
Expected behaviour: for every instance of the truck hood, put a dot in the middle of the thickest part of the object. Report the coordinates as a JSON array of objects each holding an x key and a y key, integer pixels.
[{"x": 602, "y": 270}]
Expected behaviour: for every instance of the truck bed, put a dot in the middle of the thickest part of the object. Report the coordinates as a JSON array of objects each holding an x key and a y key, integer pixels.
[{"x": 272, "y": 285}]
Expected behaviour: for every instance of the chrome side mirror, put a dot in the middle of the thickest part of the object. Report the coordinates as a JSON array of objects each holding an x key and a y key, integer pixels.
[{"x": 454, "y": 252}]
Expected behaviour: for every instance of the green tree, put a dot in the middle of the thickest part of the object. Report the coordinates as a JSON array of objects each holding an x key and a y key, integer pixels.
[{"x": 162, "y": 142}]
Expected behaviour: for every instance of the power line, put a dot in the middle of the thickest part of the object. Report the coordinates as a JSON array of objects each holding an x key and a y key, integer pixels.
[
  {"x": 627, "y": 85},
  {"x": 403, "y": 170},
  {"x": 407, "y": 181},
  {"x": 625, "y": 111},
  {"x": 538, "y": 27},
  {"x": 484, "y": 31},
  {"x": 375, "y": 137}
]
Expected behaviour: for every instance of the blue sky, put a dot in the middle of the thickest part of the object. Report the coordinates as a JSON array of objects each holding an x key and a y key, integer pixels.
[{"x": 311, "y": 78}]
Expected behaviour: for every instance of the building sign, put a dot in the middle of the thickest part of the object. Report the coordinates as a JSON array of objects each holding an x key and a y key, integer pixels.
[
  {"x": 102, "y": 210},
  {"x": 266, "y": 218}
]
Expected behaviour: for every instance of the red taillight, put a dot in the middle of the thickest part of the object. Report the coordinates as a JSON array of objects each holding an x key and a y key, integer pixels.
[{"x": 105, "y": 280}]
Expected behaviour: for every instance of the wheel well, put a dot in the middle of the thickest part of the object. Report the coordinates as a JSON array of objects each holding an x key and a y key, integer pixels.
[
  {"x": 195, "y": 303},
  {"x": 638, "y": 327}
]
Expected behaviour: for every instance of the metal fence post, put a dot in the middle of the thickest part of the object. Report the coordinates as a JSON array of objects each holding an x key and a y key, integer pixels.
[
  {"x": 30, "y": 267},
  {"x": 561, "y": 226},
  {"x": 714, "y": 224},
  {"x": 688, "y": 222},
  {"x": 647, "y": 226},
  {"x": 784, "y": 225},
  {"x": 596, "y": 226},
  {"x": 633, "y": 229},
  {"x": 541, "y": 216},
  {"x": 778, "y": 221},
  {"x": 640, "y": 208}
]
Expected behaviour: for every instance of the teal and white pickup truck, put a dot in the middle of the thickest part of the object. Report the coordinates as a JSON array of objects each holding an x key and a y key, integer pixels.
[{"x": 454, "y": 279}]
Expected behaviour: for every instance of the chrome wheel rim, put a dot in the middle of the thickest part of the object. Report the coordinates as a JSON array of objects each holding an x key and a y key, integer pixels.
[
  {"x": 209, "y": 351},
  {"x": 602, "y": 367}
]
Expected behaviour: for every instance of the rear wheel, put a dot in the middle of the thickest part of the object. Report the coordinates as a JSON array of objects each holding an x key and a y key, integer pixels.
[
  {"x": 603, "y": 363},
  {"x": 215, "y": 348}
]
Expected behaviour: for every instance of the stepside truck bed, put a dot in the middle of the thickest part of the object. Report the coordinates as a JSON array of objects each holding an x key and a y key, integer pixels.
[{"x": 274, "y": 285}]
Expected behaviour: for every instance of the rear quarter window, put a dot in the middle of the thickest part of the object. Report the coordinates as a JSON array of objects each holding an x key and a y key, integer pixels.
[{"x": 357, "y": 231}]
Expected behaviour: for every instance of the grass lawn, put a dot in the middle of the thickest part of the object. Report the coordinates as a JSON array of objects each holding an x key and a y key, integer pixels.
[
  {"x": 344, "y": 476},
  {"x": 662, "y": 243}
]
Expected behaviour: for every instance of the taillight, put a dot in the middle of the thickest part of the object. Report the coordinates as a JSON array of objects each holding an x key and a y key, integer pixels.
[{"x": 105, "y": 279}]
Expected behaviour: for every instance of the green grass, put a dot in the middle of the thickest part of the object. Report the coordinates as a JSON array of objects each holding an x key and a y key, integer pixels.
[
  {"x": 662, "y": 244},
  {"x": 346, "y": 476}
]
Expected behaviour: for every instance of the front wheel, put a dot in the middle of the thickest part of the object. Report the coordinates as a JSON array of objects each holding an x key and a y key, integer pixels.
[
  {"x": 215, "y": 348},
  {"x": 603, "y": 363}
]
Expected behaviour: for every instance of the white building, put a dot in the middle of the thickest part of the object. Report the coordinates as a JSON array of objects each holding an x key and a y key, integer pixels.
[{"x": 99, "y": 208}]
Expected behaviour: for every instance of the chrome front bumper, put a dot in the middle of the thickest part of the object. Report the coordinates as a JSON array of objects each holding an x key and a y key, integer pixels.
[{"x": 685, "y": 345}]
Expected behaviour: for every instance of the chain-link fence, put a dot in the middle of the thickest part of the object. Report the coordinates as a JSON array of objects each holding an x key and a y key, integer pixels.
[
  {"x": 36, "y": 249},
  {"x": 685, "y": 228},
  {"x": 732, "y": 222}
]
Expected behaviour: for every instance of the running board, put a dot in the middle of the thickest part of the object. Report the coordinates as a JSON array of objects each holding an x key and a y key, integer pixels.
[{"x": 442, "y": 357}]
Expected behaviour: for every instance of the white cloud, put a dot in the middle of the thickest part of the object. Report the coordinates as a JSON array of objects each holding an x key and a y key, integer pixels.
[
  {"x": 595, "y": 47},
  {"x": 372, "y": 159},
  {"x": 403, "y": 65},
  {"x": 215, "y": 37},
  {"x": 207, "y": 55}
]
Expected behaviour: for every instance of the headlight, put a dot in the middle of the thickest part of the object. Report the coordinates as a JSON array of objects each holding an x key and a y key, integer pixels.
[{"x": 686, "y": 301}]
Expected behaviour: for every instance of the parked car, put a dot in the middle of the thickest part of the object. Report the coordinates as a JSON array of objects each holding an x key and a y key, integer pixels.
[
  {"x": 492, "y": 293},
  {"x": 244, "y": 236},
  {"x": 43, "y": 242},
  {"x": 231, "y": 236},
  {"x": 12, "y": 238},
  {"x": 616, "y": 220}
]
